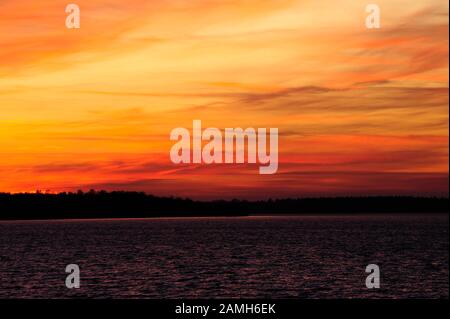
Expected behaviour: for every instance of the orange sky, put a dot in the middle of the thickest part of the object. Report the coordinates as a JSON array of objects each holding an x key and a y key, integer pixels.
[{"x": 359, "y": 111}]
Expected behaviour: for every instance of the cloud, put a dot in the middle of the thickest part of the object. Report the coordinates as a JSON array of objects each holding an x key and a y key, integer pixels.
[{"x": 358, "y": 111}]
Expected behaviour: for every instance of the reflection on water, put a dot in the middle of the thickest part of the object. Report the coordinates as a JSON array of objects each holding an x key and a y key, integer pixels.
[{"x": 268, "y": 257}]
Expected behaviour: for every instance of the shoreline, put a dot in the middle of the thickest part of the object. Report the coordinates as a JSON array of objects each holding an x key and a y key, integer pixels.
[{"x": 216, "y": 217}]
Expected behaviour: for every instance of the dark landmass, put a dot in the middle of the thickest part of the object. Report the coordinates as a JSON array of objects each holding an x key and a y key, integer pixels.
[{"x": 101, "y": 204}]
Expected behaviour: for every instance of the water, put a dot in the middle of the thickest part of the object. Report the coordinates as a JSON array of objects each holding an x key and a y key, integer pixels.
[{"x": 267, "y": 257}]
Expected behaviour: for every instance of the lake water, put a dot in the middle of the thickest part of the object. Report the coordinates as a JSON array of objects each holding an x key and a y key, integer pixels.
[{"x": 249, "y": 257}]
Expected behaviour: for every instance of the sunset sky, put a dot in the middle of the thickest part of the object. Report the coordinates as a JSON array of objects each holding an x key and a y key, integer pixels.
[{"x": 359, "y": 111}]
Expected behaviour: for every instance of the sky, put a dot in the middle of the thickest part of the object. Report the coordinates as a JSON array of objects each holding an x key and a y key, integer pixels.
[{"x": 359, "y": 111}]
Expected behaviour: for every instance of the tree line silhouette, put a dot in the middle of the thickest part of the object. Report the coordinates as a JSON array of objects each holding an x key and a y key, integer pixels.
[{"x": 123, "y": 204}]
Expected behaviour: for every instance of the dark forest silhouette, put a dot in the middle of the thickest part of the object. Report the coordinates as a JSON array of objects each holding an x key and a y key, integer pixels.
[{"x": 123, "y": 204}]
